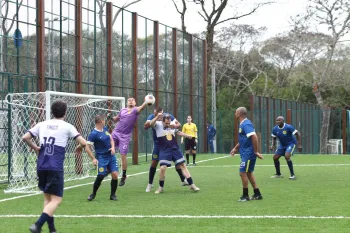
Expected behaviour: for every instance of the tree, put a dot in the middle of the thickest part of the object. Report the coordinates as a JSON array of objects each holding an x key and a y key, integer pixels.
[
  {"x": 335, "y": 16},
  {"x": 212, "y": 15}
]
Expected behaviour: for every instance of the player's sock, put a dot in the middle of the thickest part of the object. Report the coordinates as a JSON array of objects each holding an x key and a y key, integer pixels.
[
  {"x": 161, "y": 183},
  {"x": 194, "y": 158},
  {"x": 114, "y": 185},
  {"x": 189, "y": 180},
  {"x": 180, "y": 174},
  {"x": 42, "y": 219},
  {"x": 152, "y": 172},
  {"x": 124, "y": 173},
  {"x": 188, "y": 158},
  {"x": 290, "y": 165},
  {"x": 257, "y": 192},
  {"x": 245, "y": 191},
  {"x": 51, "y": 224},
  {"x": 277, "y": 166},
  {"x": 97, "y": 183}
]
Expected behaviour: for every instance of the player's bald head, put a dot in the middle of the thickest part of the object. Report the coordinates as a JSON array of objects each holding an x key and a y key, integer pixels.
[
  {"x": 242, "y": 111},
  {"x": 280, "y": 120}
]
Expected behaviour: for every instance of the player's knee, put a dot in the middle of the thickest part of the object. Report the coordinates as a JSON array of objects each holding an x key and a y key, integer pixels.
[
  {"x": 114, "y": 175},
  {"x": 154, "y": 163},
  {"x": 243, "y": 174},
  {"x": 100, "y": 177},
  {"x": 276, "y": 157}
]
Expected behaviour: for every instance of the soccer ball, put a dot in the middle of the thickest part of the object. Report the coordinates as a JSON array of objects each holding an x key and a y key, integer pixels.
[{"x": 150, "y": 99}]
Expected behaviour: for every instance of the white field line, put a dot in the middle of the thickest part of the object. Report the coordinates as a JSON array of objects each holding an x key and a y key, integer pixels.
[
  {"x": 90, "y": 183},
  {"x": 182, "y": 216},
  {"x": 271, "y": 165}
]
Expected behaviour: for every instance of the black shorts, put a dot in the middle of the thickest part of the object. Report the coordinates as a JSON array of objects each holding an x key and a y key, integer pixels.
[
  {"x": 190, "y": 144},
  {"x": 51, "y": 182}
]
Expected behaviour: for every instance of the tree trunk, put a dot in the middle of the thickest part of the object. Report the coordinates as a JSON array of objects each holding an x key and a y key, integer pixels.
[{"x": 326, "y": 115}]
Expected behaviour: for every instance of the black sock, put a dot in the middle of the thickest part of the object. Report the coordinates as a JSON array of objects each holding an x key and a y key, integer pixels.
[
  {"x": 188, "y": 158},
  {"x": 179, "y": 171},
  {"x": 124, "y": 173},
  {"x": 257, "y": 192},
  {"x": 97, "y": 183},
  {"x": 290, "y": 165},
  {"x": 161, "y": 183},
  {"x": 245, "y": 191},
  {"x": 194, "y": 158},
  {"x": 189, "y": 180},
  {"x": 152, "y": 172},
  {"x": 114, "y": 185},
  {"x": 51, "y": 224},
  {"x": 277, "y": 166},
  {"x": 42, "y": 219}
]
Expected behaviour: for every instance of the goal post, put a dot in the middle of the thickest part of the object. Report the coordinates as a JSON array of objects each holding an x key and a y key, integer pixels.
[{"x": 28, "y": 109}]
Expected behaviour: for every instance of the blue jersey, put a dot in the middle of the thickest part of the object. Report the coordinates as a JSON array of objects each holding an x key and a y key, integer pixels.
[
  {"x": 165, "y": 137},
  {"x": 211, "y": 132},
  {"x": 101, "y": 141},
  {"x": 246, "y": 130},
  {"x": 285, "y": 135},
  {"x": 151, "y": 117}
]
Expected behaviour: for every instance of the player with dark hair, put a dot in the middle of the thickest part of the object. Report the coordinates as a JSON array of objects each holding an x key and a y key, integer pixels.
[
  {"x": 285, "y": 134},
  {"x": 105, "y": 154},
  {"x": 248, "y": 149},
  {"x": 169, "y": 150},
  {"x": 122, "y": 133},
  {"x": 53, "y": 135},
  {"x": 190, "y": 128},
  {"x": 155, "y": 154}
]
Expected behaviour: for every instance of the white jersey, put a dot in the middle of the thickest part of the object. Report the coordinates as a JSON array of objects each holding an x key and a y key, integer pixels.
[
  {"x": 53, "y": 135},
  {"x": 166, "y": 137}
]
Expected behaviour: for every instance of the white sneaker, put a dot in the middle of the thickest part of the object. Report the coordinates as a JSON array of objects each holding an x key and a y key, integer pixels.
[
  {"x": 194, "y": 188},
  {"x": 277, "y": 176},
  {"x": 149, "y": 187},
  {"x": 292, "y": 178},
  {"x": 159, "y": 190},
  {"x": 185, "y": 183}
]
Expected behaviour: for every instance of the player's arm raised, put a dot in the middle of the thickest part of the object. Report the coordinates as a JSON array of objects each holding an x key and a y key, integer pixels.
[
  {"x": 155, "y": 119},
  {"x": 140, "y": 108}
]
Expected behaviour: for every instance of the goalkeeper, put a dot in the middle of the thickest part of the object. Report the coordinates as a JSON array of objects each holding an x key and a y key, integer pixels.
[{"x": 105, "y": 154}]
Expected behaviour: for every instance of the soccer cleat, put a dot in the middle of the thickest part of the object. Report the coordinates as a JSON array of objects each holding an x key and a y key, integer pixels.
[
  {"x": 256, "y": 197},
  {"x": 113, "y": 197},
  {"x": 159, "y": 190},
  {"x": 122, "y": 181},
  {"x": 149, "y": 188},
  {"x": 34, "y": 229},
  {"x": 194, "y": 164},
  {"x": 91, "y": 197},
  {"x": 244, "y": 198},
  {"x": 277, "y": 176},
  {"x": 187, "y": 164},
  {"x": 184, "y": 183},
  {"x": 194, "y": 188},
  {"x": 53, "y": 232},
  {"x": 292, "y": 177}
]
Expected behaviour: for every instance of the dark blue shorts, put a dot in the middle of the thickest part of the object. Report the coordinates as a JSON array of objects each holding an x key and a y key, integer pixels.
[
  {"x": 155, "y": 152},
  {"x": 107, "y": 165},
  {"x": 247, "y": 165},
  {"x": 51, "y": 182},
  {"x": 282, "y": 151},
  {"x": 166, "y": 157}
]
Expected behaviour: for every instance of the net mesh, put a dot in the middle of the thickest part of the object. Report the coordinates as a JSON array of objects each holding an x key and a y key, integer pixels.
[
  {"x": 3, "y": 146},
  {"x": 28, "y": 109}
]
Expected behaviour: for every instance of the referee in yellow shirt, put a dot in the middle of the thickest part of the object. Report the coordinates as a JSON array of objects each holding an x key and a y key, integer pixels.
[{"x": 190, "y": 143}]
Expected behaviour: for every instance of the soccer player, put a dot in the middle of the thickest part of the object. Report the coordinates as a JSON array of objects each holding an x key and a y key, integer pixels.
[
  {"x": 105, "y": 153},
  {"x": 190, "y": 128},
  {"x": 211, "y": 135},
  {"x": 155, "y": 154},
  {"x": 285, "y": 134},
  {"x": 248, "y": 149},
  {"x": 122, "y": 133},
  {"x": 169, "y": 150},
  {"x": 53, "y": 135}
]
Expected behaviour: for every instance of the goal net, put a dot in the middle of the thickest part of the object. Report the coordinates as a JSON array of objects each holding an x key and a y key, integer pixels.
[
  {"x": 335, "y": 146},
  {"x": 28, "y": 109}
]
